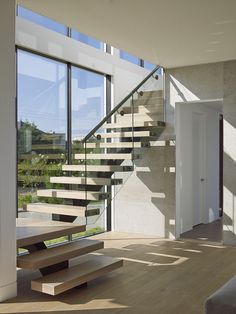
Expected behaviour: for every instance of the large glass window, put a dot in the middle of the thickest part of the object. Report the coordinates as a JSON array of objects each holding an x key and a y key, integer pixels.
[
  {"x": 42, "y": 122},
  {"x": 87, "y": 39},
  {"x": 41, "y": 20},
  {"x": 149, "y": 66},
  {"x": 88, "y": 107},
  {"x": 128, "y": 57}
]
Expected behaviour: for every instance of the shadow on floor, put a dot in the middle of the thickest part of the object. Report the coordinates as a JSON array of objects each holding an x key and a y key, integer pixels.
[{"x": 206, "y": 232}]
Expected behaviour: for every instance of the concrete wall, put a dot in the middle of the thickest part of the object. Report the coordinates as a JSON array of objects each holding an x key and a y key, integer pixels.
[
  {"x": 125, "y": 75},
  {"x": 8, "y": 151},
  {"x": 139, "y": 213},
  {"x": 205, "y": 82},
  {"x": 201, "y": 82},
  {"x": 229, "y": 112},
  {"x": 146, "y": 203}
]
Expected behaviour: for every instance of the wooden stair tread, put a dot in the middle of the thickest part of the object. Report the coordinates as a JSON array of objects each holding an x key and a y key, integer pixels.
[
  {"x": 151, "y": 94},
  {"x": 113, "y": 145},
  {"x": 88, "y": 268},
  {"x": 73, "y": 194},
  {"x": 31, "y": 231},
  {"x": 125, "y": 134},
  {"x": 104, "y": 156},
  {"x": 54, "y": 255},
  {"x": 61, "y": 209},
  {"x": 121, "y": 125},
  {"x": 143, "y": 109},
  {"x": 98, "y": 168},
  {"x": 85, "y": 180},
  {"x": 127, "y": 118},
  {"x": 154, "y": 101}
]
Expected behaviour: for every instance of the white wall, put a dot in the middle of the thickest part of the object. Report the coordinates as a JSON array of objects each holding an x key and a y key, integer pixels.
[
  {"x": 184, "y": 163},
  {"x": 125, "y": 75},
  {"x": 8, "y": 151}
]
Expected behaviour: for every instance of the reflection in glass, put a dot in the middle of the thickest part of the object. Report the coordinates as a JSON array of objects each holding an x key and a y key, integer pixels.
[
  {"x": 41, "y": 20},
  {"x": 128, "y": 57},
  {"x": 88, "y": 106},
  {"x": 148, "y": 65},
  {"x": 87, "y": 39},
  {"x": 42, "y": 122}
]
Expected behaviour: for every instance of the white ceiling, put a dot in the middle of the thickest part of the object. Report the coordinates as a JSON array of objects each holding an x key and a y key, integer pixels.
[{"x": 171, "y": 33}]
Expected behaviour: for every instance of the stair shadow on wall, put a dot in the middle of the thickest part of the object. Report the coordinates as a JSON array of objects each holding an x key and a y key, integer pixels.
[{"x": 160, "y": 181}]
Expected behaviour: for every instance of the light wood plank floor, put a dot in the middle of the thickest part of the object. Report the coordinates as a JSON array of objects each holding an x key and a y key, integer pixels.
[
  {"x": 206, "y": 232},
  {"x": 158, "y": 277}
]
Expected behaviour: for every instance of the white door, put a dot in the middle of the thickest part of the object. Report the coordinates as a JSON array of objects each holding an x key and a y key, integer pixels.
[{"x": 198, "y": 167}]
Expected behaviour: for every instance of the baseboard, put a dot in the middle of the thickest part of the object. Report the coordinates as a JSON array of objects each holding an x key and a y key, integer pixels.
[{"x": 8, "y": 292}]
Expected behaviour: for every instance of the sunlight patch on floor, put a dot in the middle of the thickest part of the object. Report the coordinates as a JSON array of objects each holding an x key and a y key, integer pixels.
[
  {"x": 187, "y": 250},
  {"x": 96, "y": 304},
  {"x": 213, "y": 246},
  {"x": 178, "y": 259}
]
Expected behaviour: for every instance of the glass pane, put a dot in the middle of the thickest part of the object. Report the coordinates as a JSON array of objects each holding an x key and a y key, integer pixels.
[
  {"x": 148, "y": 65},
  {"x": 41, "y": 20},
  {"x": 128, "y": 57},
  {"x": 87, "y": 39},
  {"x": 88, "y": 107},
  {"x": 42, "y": 123}
]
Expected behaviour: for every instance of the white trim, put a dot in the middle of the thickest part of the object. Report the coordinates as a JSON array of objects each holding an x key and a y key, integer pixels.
[{"x": 8, "y": 291}]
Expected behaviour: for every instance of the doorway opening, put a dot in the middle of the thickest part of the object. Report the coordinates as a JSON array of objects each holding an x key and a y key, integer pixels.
[{"x": 199, "y": 170}]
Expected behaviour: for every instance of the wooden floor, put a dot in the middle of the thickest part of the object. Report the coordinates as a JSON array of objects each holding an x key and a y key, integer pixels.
[
  {"x": 206, "y": 232},
  {"x": 158, "y": 277}
]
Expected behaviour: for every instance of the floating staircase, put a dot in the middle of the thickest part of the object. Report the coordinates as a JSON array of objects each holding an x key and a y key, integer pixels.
[
  {"x": 53, "y": 262},
  {"x": 99, "y": 163}
]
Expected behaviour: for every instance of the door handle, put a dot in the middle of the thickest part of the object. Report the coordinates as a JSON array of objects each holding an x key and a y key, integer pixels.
[{"x": 202, "y": 179}]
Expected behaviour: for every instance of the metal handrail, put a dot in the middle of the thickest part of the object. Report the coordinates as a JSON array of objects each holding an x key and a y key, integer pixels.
[{"x": 119, "y": 105}]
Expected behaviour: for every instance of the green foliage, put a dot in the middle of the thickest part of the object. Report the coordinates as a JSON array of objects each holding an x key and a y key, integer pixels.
[
  {"x": 24, "y": 199},
  {"x": 88, "y": 232}
]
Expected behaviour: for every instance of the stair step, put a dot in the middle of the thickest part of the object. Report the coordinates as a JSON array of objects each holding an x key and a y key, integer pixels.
[
  {"x": 104, "y": 156},
  {"x": 85, "y": 180},
  {"x": 151, "y": 94},
  {"x": 136, "y": 124},
  {"x": 54, "y": 255},
  {"x": 127, "y": 118},
  {"x": 154, "y": 101},
  {"x": 31, "y": 231},
  {"x": 143, "y": 109},
  {"x": 118, "y": 156},
  {"x": 59, "y": 209},
  {"x": 114, "y": 145},
  {"x": 89, "y": 268},
  {"x": 99, "y": 168},
  {"x": 73, "y": 194},
  {"x": 125, "y": 134}
]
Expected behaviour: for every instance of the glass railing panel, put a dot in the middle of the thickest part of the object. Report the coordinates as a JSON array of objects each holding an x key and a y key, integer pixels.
[
  {"x": 117, "y": 142},
  {"x": 150, "y": 96}
]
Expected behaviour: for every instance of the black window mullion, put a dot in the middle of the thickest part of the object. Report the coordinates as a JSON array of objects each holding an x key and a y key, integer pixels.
[{"x": 69, "y": 115}]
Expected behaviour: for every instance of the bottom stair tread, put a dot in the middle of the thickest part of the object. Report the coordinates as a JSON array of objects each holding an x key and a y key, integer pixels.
[{"x": 89, "y": 267}]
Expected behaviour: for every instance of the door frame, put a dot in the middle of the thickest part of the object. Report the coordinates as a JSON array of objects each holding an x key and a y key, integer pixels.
[
  {"x": 201, "y": 168},
  {"x": 184, "y": 171}
]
